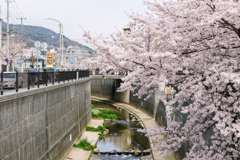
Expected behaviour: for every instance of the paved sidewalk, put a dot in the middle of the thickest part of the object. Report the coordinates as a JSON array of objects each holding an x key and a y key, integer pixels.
[
  {"x": 146, "y": 120},
  {"x": 80, "y": 154}
]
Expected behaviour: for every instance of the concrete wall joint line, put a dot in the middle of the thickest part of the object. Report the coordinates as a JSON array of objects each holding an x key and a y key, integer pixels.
[
  {"x": 64, "y": 135},
  {"x": 90, "y": 110}
]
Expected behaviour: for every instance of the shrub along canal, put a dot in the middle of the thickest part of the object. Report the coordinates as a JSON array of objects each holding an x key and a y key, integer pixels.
[{"x": 123, "y": 138}]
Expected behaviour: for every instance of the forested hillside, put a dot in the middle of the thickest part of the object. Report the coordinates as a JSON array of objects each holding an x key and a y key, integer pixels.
[{"x": 37, "y": 33}]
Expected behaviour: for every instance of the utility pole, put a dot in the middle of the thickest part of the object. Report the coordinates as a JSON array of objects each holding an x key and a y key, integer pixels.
[
  {"x": 8, "y": 34},
  {"x": 75, "y": 55},
  {"x": 70, "y": 53},
  {"x": 0, "y": 37},
  {"x": 32, "y": 59},
  {"x": 22, "y": 26},
  {"x": 60, "y": 37},
  {"x": 22, "y": 35},
  {"x": 62, "y": 47},
  {"x": 0, "y": 27}
]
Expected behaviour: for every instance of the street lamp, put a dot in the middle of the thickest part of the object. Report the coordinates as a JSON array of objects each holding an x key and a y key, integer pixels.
[{"x": 60, "y": 37}]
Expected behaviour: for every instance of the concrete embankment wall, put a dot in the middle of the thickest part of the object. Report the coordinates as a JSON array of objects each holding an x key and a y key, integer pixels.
[
  {"x": 42, "y": 124},
  {"x": 106, "y": 87}
]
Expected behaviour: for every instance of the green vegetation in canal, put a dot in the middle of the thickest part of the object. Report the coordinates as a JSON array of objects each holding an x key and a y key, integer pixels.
[
  {"x": 108, "y": 114},
  {"x": 101, "y": 136},
  {"x": 94, "y": 107},
  {"x": 84, "y": 144},
  {"x": 104, "y": 124},
  {"x": 90, "y": 155},
  {"x": 98, "y": 129}
]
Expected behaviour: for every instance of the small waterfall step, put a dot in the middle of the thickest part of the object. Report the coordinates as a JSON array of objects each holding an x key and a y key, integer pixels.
[{"x": 149, "y": 157}]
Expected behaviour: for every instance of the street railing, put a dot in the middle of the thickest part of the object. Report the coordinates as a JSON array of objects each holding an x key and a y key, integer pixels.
[{"x": 17, "y": 80}]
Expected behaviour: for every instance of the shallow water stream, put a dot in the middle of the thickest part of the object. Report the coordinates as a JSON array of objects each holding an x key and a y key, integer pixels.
[{"x": 122, "y": 136}]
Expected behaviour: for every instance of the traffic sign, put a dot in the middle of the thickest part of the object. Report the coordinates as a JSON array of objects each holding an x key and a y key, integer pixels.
[
  {"x": 44, "y": 45},
  {"x": 37, "y": 52},
  {"x": 37, "y": 44},
  {"x": 71, "y": 62},
  {"x": 6, "y": 60}
]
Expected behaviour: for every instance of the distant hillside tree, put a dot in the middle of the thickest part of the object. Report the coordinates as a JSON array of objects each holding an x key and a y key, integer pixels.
[{"x": 42, "y": 34}]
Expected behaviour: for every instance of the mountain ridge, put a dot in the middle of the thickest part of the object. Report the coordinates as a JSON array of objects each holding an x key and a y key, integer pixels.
[{"x": 39, "y": 33}]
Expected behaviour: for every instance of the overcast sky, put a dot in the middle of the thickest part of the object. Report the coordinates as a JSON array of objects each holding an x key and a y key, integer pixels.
[{"x": 96, "y": 16}]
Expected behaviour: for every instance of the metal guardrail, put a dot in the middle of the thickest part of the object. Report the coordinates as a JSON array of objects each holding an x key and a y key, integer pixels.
[{"x": 17, "y": 80}]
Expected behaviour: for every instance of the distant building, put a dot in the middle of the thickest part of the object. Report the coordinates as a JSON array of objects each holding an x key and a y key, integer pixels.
[
  {"x": 40, "y": 64},
  {"x": 78, "y": 51}
]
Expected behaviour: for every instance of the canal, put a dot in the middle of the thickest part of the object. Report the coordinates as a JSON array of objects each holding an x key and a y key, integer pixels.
[{"x": 122, "y": 137}]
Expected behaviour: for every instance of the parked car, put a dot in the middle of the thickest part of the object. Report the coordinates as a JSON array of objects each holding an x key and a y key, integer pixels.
[{"x": 9, "y": 80}]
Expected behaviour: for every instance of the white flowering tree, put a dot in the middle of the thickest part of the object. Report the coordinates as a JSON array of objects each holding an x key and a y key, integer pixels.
[
  {"x": 15, "y": 49},
  {"x": 195, "y": 47}
]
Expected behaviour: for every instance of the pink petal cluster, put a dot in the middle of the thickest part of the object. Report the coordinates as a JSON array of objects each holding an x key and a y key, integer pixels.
[{"x": 193, "y": 45}]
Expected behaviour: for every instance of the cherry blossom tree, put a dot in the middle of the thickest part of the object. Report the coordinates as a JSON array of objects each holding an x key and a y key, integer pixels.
[
  {"x": 67, "y": 65},
  {"x": 15, "y": 49},
  {"x": 193, "y": 46}
]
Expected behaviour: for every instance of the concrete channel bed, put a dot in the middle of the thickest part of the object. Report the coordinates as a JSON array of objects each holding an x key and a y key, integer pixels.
[{"x": 146, "y": 120}]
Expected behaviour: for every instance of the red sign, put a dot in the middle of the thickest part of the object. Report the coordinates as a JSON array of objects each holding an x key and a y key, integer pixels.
[{"x": 6, "y": 60}]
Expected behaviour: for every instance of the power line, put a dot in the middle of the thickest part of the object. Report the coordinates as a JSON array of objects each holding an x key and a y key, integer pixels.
[
  {"x": 12, "y": 13},
  {"x": 12, "y": 17},
  {"x": 18, "y": 8},
  {"x": 15, "y": 10}
]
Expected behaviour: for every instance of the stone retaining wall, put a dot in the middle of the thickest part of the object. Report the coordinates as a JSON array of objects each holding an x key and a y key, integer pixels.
[{"x": 42, "y": 124}]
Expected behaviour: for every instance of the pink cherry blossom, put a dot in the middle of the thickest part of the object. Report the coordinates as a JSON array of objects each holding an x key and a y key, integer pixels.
[{"x": 193, "y": 46}]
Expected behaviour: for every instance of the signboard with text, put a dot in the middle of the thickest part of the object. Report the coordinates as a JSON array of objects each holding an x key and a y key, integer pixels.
[{"x": 169, "y": 90}]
